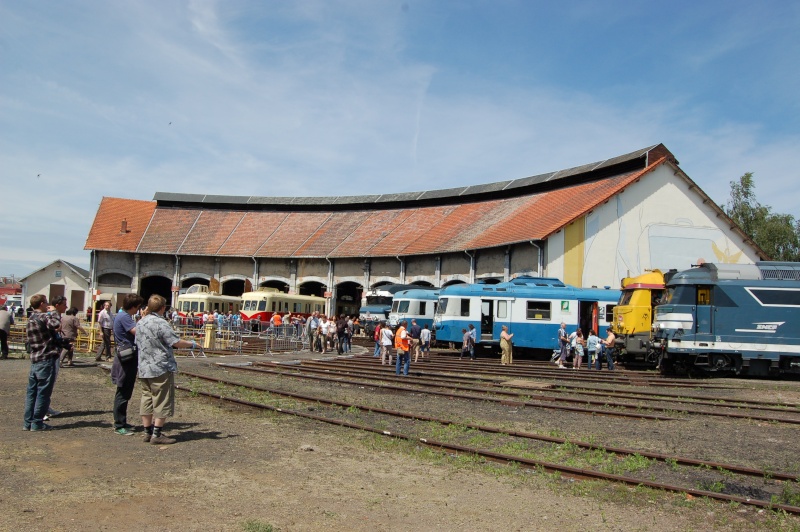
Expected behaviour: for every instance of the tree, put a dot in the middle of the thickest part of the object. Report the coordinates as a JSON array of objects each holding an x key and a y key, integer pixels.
[{"x": 777, "y": 234}]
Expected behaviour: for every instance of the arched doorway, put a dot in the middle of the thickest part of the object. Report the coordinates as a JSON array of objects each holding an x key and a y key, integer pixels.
[
  {"x": 234, "y": 287},
  {"x": 423, "y": 283},
  {"x": 280, "y": 285},
  {"x": 156, "y": 285},
  {"x": 312, "y": 288},
  {"x": 348, "y": 298},
  {"x": 186, "y": 283},
  {"x": 451, "y": 283}
]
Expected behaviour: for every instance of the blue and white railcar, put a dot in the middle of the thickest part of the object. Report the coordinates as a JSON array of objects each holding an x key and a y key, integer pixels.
[
  {"x": 735, "y": 318},
  {"x": 532, "y": 308},
  {"x": 414, "y": 304}
]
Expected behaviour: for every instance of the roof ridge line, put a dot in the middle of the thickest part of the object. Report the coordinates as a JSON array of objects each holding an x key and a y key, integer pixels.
[
  {"x": 243, "y": 213},
  {"x": 330, "y": 215},
  {"x": 189, "y": 232},
  {"x": 149, "y": 223},
  {"x": 285, "y": 217}
]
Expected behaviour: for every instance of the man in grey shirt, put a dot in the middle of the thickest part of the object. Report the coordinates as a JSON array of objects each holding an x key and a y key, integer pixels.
[
  {"x": 6, "y": 321},
  {"x": 155, "y": 340}
]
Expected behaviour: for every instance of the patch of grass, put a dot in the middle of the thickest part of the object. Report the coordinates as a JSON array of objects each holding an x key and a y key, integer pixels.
[
  {"x": 790, "y": 494},
  {"x": 635, "y": 462},
  {"x": 672, "y": 464},
  {"x": 254, "y": 525},
  {"x": 716, "y": 487}
]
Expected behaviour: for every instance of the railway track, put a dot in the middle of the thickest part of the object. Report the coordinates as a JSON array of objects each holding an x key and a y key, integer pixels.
[
  {"x": 585, "y": 389},
  {"x": 455, "y": 391},
  {"x": 553, "y": 397},
  {"x": 493, "y": 455}
]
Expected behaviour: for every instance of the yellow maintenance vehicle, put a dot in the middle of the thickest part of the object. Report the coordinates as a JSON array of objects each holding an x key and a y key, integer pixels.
[{"x": 633, "y": 316}]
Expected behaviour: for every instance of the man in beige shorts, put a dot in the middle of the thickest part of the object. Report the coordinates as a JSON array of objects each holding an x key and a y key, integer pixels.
[{"x": 155, "y": 340}]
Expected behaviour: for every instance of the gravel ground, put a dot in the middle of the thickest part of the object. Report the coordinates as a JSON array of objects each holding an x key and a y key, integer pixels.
[{"x": 238, "y": 469}]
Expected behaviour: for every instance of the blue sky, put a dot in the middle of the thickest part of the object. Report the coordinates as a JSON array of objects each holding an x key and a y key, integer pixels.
[{"x": 326, "y": 98}]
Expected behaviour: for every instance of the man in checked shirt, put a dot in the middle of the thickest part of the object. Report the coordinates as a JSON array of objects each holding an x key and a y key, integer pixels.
[{"x": 42, "y": 334}]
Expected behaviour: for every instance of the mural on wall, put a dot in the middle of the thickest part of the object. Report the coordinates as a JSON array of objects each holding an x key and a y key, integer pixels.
[{"x": 680, "y": 246}]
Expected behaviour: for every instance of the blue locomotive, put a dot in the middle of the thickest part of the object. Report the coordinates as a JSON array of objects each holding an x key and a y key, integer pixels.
[
  {"x": 731, "y": 318},
  {"x": 532, "y": 308}
]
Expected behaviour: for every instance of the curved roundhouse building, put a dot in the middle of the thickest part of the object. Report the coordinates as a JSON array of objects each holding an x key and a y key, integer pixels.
[{"x": 590, "y": 226}]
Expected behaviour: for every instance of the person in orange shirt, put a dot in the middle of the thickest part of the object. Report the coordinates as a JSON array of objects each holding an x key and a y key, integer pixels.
[{"x": 402, "y": 344}]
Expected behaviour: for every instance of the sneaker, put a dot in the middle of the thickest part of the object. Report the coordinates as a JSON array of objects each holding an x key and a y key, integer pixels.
[
  {"x": 124, "y": 432},
  {"x": 44, "y": 426},
  {"x": 129, "y": 427},
  {"x": 162, "y": 440}
]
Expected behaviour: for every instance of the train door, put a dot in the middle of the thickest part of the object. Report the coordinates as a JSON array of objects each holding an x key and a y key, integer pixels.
[
  {"x": 587, "y": 317},
  {"x": 703, "y": 324},
  {"x": 487, "y": 318},
  {"x": 502, "y": 317}
]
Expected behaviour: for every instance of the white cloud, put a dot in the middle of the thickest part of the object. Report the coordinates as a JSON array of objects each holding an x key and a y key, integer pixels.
[{"x": 185, "y": 98}]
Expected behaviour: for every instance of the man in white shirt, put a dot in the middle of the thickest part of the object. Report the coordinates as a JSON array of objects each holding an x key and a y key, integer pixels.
[{"x": 106, "y": 322}]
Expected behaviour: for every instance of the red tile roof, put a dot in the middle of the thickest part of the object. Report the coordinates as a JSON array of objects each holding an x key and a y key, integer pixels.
[
  {"x": 361, "y": 233},
  {"x": 106, "y": 232}
]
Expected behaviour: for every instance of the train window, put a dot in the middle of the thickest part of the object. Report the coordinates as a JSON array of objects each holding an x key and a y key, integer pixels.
[
  {"x": 502, "y": 309},
  {"x": 609, "y": 313},
  {"x": 464, "y": 307},
  {"x": 194, "y": 306},
  {"x": 537, "y": 310},
  {"x": 422, "y": 308},
  {"x": 681, "y": 295},
  {"x": 703, "y": 295},
  {"x": 262, "y": 305},
  {"x": 402, "y": 307},
  {"x": 394, "y": 305},
  {"x": 442, "y": 306},
  {"x": 783, "y": 297},
  {"x": 202, "y": 306}
]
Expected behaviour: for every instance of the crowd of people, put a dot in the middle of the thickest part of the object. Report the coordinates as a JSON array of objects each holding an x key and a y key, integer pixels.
[
  {"x": 594, "y": 348},
  {"x": 329, "y": 333},
  {"x": 143, "y": 350},
  {"x": 144, "y": 340}
]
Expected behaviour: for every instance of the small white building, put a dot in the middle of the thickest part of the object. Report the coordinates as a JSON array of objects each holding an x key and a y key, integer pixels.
[{"x": 59, "y": 278}]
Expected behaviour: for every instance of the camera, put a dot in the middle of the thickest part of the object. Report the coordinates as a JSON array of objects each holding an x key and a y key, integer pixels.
[{"x": 63, "y": 343}]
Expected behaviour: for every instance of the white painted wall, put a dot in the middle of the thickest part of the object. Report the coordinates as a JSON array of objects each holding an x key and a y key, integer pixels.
[{"x": 655, "y": 223}]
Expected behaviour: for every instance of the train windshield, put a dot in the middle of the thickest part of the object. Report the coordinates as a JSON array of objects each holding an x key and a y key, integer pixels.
[
  {"x": 442, "y": 306},
  {"x": 402, "y": 306},
  {"x": 625, "y": 298},
  {"x": 680, "y": 295},
  {"x": 379, "y": 300}
]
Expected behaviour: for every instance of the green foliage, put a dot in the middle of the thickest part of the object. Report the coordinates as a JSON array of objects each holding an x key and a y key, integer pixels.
[
  {"x": 777, "y": 234},
  {"x": 254, "y": 525}
]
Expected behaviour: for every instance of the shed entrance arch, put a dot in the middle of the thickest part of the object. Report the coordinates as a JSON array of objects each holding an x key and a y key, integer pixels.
[
  {"x": 156, "y": 285},
  {"x": 279, "y": 285},
  {"x": 348, "y": 298}
]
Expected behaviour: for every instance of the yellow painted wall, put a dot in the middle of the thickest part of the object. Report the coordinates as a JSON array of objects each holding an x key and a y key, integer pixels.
[{"x": 574, "y": 237}]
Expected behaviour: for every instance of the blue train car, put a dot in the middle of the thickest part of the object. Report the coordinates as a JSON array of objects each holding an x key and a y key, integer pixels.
[
  {"x": 736, "y": 318},
  {"x": 415, "y": 304},
  {"x": 532, "y": 308},
  {"x": 377, "y": 303}
]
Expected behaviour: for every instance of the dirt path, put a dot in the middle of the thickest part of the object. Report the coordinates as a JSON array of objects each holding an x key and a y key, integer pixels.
[{"x": 233, "y": 468}]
